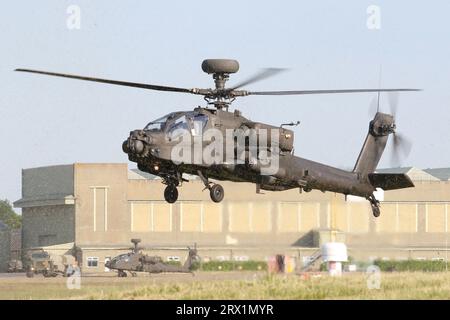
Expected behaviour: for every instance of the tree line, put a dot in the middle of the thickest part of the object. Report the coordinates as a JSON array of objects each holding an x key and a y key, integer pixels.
[{"x": 8, "y": 216}]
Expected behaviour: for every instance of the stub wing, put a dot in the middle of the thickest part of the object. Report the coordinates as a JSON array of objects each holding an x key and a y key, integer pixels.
[{"x": 390, "y": 181}]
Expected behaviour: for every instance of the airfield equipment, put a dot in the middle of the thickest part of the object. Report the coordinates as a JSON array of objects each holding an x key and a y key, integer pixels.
[
  {"x": 15, "y": 266},
  {"x": 41, "y": 263}
]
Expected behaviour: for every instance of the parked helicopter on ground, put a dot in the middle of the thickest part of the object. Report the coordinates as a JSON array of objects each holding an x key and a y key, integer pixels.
[
  {"x": 135, "y": 261},
  {"x": 152, "y": 148}
]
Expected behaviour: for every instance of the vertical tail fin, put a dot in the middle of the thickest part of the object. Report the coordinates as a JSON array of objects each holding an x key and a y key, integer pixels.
[{"x": 379, "y": 129}]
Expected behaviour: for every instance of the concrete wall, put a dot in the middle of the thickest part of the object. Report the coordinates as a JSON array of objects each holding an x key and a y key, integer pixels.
[
  {"x": 16, "y": 244},
  {"x": 135, "y": 209},
  {"x": 101, "y": 203},
  {"x": 47, "y": 182},
  {"x": 430, "y": 191},
  {"x": 112, "y": 209},
  {"x": 5, "y": 249},
  {"x": 244, "y": 218},
  {"x": 122, "y": 209},
  {"x": 48, "y": 225}
]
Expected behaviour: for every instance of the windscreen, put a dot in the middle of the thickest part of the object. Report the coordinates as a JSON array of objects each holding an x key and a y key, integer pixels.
[{"x": 158, "y": 124}]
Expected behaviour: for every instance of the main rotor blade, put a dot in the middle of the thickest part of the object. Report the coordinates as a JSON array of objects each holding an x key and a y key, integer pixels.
[
  {"x": 115, "y": 82},
  {"x": 283, "y": 93},
  {"x": 263, "y": 74}
]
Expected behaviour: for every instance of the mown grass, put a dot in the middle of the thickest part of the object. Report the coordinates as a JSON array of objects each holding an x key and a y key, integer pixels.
[
  {"x": 55, "y": 288},
  {"x": 405, "y": 285},
  {"x": 393, "y": 286},
  {"x": 412, "y": 265}
]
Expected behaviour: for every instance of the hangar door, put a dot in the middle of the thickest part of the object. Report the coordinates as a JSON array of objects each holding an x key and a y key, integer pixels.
[{"x": 151, "y": 216}]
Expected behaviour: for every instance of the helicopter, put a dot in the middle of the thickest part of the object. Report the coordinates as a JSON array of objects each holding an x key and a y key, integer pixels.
[
  {"x": 193, "y": 142},
  {"x": 135, "y": 261}
]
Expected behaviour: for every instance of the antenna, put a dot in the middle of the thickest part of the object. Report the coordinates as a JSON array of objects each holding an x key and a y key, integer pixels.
[{"x": 291, "y": 124}]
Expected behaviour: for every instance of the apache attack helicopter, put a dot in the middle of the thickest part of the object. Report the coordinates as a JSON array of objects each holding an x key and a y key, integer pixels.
[
  {"x": 135, "y": 261},
  {"x": 152, "y": 147}
]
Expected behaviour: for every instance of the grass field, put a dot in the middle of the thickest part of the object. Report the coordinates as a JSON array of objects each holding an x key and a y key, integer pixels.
[{"x": 233, "y": 285}]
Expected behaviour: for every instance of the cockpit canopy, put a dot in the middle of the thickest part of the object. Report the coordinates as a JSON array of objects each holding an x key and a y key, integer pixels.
[
  {"x": 122, "y": 257},
  {"x": 176, "y": 122},
  {"x": 158, "y": 124}
]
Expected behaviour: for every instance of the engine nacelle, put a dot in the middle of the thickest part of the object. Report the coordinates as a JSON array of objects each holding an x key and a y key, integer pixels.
[{"x": 285, "y": 136}]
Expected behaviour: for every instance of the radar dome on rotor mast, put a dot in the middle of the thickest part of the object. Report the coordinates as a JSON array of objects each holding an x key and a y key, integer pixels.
[
  {"x": 136, "y": 243},
  {"x": 220, "y": 70},
  {"x": 220, "y": 66}
]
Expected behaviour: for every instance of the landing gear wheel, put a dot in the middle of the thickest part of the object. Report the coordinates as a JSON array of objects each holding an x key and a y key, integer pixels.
[
  {"x": 216, "y": 193},
  {"x": 30, "y": 274},
  {"x": 122, "y": 274},
  {"x": 376, "y": 211},
  {"x": 171, "y": 194}
]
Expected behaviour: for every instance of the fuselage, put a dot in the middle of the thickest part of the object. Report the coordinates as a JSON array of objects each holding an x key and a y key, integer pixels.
[{"x": 159, "y": 150}]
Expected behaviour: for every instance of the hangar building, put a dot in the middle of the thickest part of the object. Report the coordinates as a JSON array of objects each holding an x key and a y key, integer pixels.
[{"x": 94, "y": 209}]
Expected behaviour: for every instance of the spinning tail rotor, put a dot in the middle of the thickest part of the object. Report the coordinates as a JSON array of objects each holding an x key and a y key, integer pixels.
[{"x": 401, "y": 146}]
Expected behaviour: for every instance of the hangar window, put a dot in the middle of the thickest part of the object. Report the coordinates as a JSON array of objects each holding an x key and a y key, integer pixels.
[{"x": 92, "y": 262}]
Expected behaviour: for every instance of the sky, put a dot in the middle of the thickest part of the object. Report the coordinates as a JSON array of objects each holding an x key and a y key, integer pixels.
[{"x": 325, "y": 45}]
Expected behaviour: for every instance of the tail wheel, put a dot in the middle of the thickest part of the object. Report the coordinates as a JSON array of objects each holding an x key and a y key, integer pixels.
[
  {"x": 375, "y": 204},
  {"x": 171, "y": 194},
  {"x": 376, "y": 211},
  {"x": 216, "y": 193}
]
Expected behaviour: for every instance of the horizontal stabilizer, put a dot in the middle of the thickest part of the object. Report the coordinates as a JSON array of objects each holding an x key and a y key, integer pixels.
[{"x": 390, "y": 181}]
